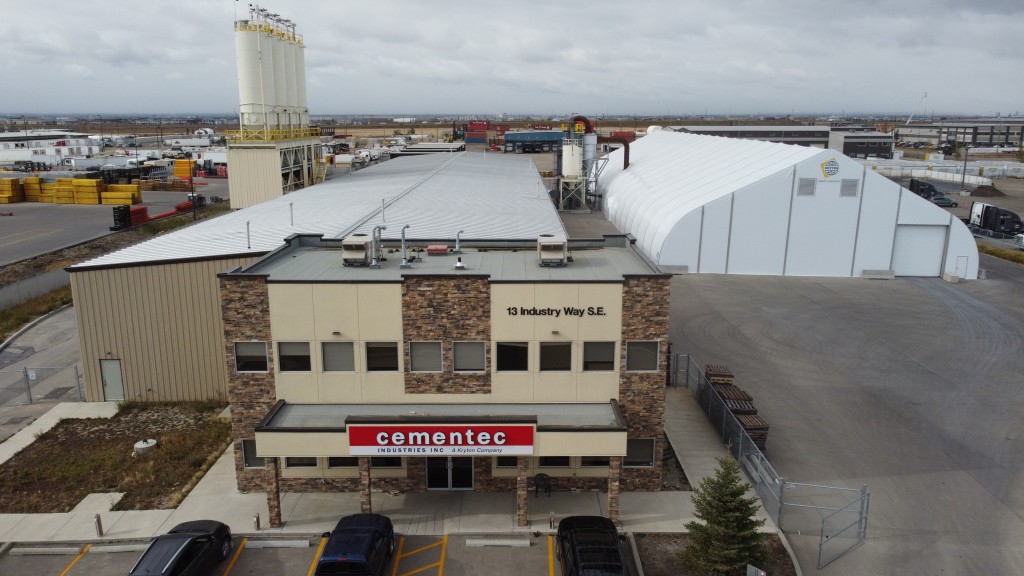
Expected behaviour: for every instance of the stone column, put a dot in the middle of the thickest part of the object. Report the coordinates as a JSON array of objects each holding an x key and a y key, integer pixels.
[
  {"x": 614, "y": 477},
  {"x": 365, "y": 502},
  {"x": 522, "y": 492},
  {"x": 274, "y": 492}
]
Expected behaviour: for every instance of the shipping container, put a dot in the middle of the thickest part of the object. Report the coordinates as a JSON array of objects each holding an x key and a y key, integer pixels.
[
  {"x": 480, "y": 134},
  {"x": 476, "y": 140},
  {"x": 477, "y": 126}
]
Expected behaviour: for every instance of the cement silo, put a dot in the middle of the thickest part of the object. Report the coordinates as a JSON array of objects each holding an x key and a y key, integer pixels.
[
  {"x": 300, "y": 82},
  {"x": 255, "y": 96}
]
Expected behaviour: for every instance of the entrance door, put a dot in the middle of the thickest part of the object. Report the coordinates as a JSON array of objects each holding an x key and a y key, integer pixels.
[
  {"x": 449, "y": 473},
  {"x": 113, "y": 384}
]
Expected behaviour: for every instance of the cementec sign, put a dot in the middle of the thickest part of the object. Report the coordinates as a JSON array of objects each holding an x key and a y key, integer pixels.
[{"x": 441, "y": 440}]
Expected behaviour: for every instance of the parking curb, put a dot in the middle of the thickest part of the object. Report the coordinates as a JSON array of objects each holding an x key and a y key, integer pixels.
[
  {"x": 6, "y": 548},
  {"x": 636, "y": 554}
]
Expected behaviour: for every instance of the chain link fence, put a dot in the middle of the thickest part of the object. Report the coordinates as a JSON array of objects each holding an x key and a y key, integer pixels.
[
  {"x": 840, "y": 514},
  {"x": 37, "y": 385}
]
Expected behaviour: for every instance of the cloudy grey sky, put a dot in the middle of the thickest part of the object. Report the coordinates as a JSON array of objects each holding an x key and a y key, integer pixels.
[{"x": 528, "y": 56}]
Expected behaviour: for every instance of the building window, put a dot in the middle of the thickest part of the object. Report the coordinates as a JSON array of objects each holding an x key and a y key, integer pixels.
[
  {"x": 594, "y": 461},
  {"x": 598, "y": 356},
  {"x": 641, "y": 356},
  {"x": 555, "y": 356},
  {"x": 469, "y": 356},
  {"x": 639, "y": 453},
  {"x": 553, "y": 462},
  {"x": 381, "y": 356},
  {"x": 342, "y": 462},
  {"x": 338, "y": 357},
  {"x": 512, "y": 356},
  {"x": 293, "y": 356},
  {"x": 386, "y": 461},
  {"x": 425, "y": 357},
  {"x": 506, "y": 462},
  {"x": 250, "y": 356},
  {"x": 806, "y": 187},
  {"x": 300, "y": 462},
  {"x": 849, "y": 187},
  {"x": 249, "y": 457}
]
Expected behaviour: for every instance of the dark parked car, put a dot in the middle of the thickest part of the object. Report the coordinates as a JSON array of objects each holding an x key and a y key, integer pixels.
[
  {"x": 189, "y": 549},
  {"x": 360, "y": 545},
  {"x": 590, "y": 546},
  {"x": 943, "y": 201}
]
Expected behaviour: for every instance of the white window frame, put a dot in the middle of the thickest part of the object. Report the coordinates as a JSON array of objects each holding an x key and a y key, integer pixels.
[
  {"x": 431, "y": 346},
  {"x": 657, "y": 355},
  {"x": 455, "y": 356},
  {"x": 280, "y": 356},
  {"x": 266, "y": 356},
  {"x": 324, "y": 355}
]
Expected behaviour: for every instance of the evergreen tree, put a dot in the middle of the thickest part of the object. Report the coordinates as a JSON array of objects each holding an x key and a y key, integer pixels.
[{"x": 727, "y": 539}]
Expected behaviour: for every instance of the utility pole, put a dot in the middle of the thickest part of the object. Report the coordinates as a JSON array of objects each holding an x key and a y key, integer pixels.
[{"x": 963, "y": 177}]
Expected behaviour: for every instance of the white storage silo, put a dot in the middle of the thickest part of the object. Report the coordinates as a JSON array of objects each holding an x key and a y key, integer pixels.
[
  {"x": 247, "y": 56},
  {"x": 300, "y": 83},
  {"x": 269, "y": 95},
  {"x": 280, "y": 90},
  {"x": 572, "y": 159},
  {"x": 289, "y": 78}
]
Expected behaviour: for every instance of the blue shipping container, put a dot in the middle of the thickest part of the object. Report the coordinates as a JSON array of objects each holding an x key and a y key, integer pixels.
[
  {"x": 535, "y": 136},
  {"x": 476, "y": 140}
]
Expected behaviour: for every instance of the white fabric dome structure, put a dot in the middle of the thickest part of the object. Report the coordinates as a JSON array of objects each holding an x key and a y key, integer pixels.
[{"x": 706, "y": 204}]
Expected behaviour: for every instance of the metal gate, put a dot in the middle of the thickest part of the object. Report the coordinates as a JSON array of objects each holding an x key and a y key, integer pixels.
[
  {"x": 840, "y": 514},
  {"x": 34, "y": 385}
]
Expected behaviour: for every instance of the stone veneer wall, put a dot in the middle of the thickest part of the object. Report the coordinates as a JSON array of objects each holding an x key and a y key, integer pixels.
[
  {"x": 245, "y": 311},
  {"x": 446, "y": 310},
  {"x": 645, "y": 311},
  {"x": 415, "y": 481}
]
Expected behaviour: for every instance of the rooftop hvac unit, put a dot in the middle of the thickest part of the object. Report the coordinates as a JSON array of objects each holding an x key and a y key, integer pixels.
[
  {"x": 355, "y": 250},
  {"x": 552, "y": 250}
]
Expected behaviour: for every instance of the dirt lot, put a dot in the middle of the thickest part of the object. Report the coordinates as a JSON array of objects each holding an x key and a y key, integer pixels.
[
  {"x": 658, "y": 554},
  {"x": 80, "y": 457}
]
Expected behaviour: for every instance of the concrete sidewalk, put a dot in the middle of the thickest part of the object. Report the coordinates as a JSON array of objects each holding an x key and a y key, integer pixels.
[{"x": 216, "y": 496}]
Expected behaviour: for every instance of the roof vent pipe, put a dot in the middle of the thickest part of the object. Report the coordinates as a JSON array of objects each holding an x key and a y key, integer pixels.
[
  {"x": 375, "y": 245},
  {"x": 458, "y": 245},
  {"x": 405, "y": 260}
]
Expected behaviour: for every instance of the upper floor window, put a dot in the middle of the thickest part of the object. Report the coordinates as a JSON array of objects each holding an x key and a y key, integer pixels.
[
  {"x": 381, "y": 356},
  {"x": 425, "y": 357},
  {"x": 598, "y": 356},
  {"x": 512, "y": 356},
  {"x": 338, "y": 357},
  {"x": 250, "y": 356},
  {"x": 641, "y": 356},
  {"x": 555, "y": 356},
  {"x": 469, "y": 356},
  {"x": 293, "y": 356}
]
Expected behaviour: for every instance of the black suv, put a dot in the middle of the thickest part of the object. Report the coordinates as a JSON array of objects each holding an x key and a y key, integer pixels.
[
  {"x": 589, "y": 546},
  {"x": 189, "y": 549},
  {"x": 360, "y": 545}
]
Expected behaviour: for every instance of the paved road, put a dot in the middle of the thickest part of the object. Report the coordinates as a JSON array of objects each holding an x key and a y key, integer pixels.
[
  {"x": 910, "y": 386},
  {"x": 50, "y": 351}
]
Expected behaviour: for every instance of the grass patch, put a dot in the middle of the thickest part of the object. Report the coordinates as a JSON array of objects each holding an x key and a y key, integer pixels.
[
  {"x": 1003, "y": 253},
  {"x": 79, "y": 457},
  {"x": 13, "y": 318}
]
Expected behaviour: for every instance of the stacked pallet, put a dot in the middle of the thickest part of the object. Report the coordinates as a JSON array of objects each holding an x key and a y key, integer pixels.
[
  {"x": 11, "y": 191},
  {"x": 183, "y": 168},
  {"x": 123, "y": 194},
  {"x": 87, "y": 190},
  {"x": 47, "y": 192},
  {"x": 32, "y": 188},
  {"x": 738, "y": 402},
  {"x": 65, "y": 193},
  {"x": 756, "y": 428},
  {"x": 718, "y": 374}
]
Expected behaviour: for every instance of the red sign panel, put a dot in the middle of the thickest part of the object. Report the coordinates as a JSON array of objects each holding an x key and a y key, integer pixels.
[{"x": 441, "y": 439}]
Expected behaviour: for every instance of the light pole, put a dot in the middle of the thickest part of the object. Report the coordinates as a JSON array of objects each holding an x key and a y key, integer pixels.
[{"x": 963, "y": 177}]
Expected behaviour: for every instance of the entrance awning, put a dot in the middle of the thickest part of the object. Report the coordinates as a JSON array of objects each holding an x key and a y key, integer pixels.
[{"x": 556, "y": 429}]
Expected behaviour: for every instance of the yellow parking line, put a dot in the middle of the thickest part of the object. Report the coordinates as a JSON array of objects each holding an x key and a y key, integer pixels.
[
  {"x": 398, "y": 556},
  {"x": 444, "y": 549},
  {"x": 551, "y": 555},
  {"x": 437, "y": 565},
  {"x": 75, "y": 561},
  {"x": 427, "y": 547},
  {"x": 238, "y": 552},
  {"x": 319, "y": 551}
]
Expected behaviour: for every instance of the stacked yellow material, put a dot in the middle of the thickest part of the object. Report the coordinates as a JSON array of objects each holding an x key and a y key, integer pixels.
[
  {"x": 65, "y": 193},
  {"x": 126, "y": 194},
  {"x": 87, "y": 191},
  {"x": 183, "y": 168},
  {"x": 47, "y": 191},
  {"x": 11, "y": 191},
  {"x": 31, "y": 188}
]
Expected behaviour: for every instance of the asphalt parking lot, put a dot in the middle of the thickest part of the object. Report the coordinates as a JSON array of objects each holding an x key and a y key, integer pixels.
[
  {"x": 419, "y": 555},
  {"x": 909, "y": 386}
]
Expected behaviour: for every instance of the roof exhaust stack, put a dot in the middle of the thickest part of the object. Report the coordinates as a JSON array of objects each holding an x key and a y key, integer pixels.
[
  {"x": 405, "y": 259},
  {"x": 459, "y": 265},
  {"x": 375, "y": 246},
  {"x": 458, "y": 245}
]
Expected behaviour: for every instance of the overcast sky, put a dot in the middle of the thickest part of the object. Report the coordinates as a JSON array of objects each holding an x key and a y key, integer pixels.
[{"x": 553, "y": 57}]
